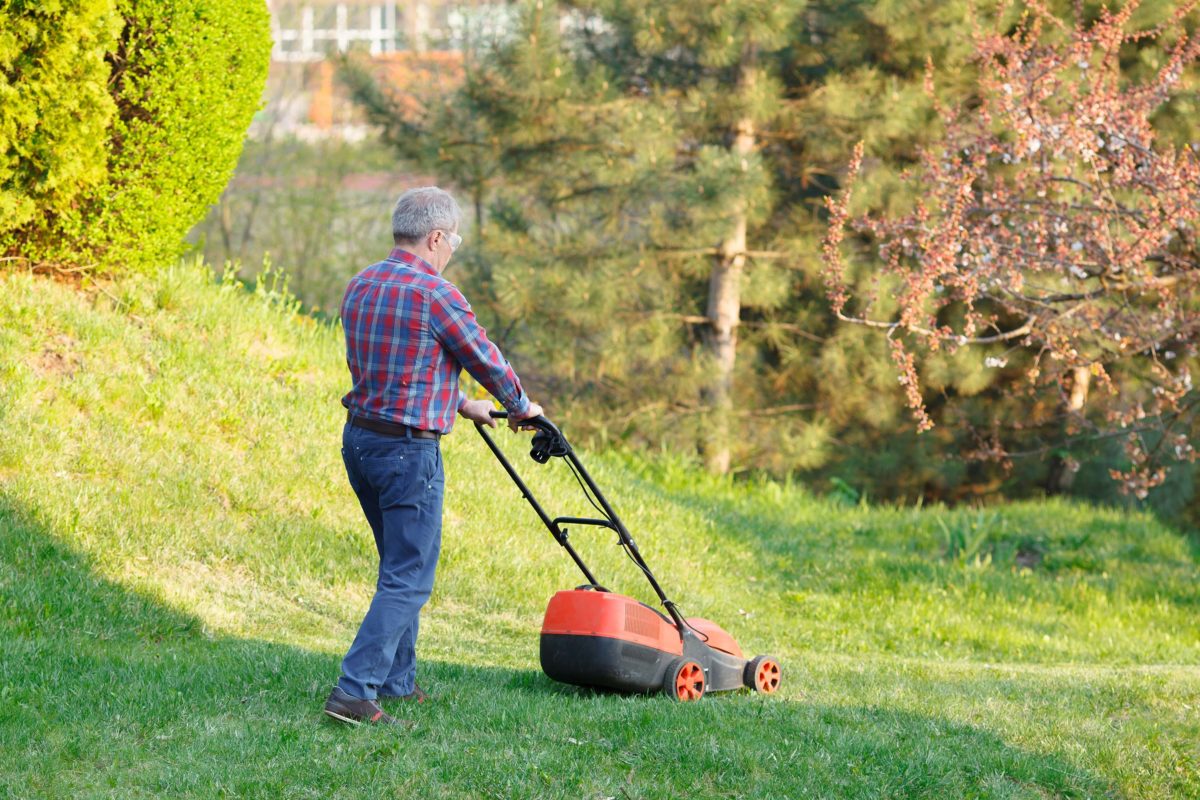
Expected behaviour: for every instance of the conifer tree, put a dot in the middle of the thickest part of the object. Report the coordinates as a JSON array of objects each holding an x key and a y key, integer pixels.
[
  {"x": 735, "y": 82},
  {"x": 618, "y": 151},
  {"x": 649, "y": 182}
]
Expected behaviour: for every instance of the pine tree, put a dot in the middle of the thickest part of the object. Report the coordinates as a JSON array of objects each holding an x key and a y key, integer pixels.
[
  {"x": 745, "y": 82},
  {"x": 649, "y": 178},
  {"x": 650, "y": 173}
]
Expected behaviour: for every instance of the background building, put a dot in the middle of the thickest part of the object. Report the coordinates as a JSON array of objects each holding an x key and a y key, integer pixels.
[{"x": 412, "y": 43}]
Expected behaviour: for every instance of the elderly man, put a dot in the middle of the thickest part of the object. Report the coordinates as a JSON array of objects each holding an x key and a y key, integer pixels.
[{"x": 409, "y": 333}]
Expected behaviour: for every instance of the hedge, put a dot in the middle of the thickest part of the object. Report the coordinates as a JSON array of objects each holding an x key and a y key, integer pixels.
[
  {"x": 184, "y": 78},
  {"x": 55, "y": 107}
]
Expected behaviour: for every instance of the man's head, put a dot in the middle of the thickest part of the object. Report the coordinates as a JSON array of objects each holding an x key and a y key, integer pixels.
[{"x": 425, "y": 222}]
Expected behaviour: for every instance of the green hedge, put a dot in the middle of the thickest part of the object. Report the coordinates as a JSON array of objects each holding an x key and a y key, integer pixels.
[
  {"x": 55, "y": 106},
  {"x": 184, "y": 78}
]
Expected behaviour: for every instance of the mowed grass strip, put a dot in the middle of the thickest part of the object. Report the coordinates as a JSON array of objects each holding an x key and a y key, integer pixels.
[{"x": 182, "y": 566}]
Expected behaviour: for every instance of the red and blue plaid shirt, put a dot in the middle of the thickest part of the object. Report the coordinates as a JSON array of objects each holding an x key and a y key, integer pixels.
[{"x": 409, "y": 333}]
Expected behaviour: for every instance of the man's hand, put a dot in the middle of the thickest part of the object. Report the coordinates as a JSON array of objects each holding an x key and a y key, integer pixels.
[
  {"x": 514, "y": 424},
  {"x": 478, "y": 411}
]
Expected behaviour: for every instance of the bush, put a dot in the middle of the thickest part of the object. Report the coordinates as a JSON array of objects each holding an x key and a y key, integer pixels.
[
  {"x": 54, "y": 106},
  {"x": 185, "y": 77}
]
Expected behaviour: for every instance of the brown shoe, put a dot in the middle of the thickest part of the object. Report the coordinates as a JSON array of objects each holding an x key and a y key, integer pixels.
[
  {"x": 354, "y": 710},
  {"x": 417, "y": 695}
]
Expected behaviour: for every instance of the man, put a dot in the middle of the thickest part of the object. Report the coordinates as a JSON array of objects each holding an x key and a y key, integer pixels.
[{"x": 409, "y": 333}]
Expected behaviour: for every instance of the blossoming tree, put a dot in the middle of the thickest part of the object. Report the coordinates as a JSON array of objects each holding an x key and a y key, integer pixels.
[{"x": 1057, "y": 229}]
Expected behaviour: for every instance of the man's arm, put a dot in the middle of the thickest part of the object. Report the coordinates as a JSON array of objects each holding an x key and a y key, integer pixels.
[{"x": 457, "y": 329}]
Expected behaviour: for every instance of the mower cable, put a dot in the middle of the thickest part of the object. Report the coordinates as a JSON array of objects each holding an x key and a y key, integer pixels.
[
  {"x": 611, "y": 521},
  {"x": 620, "y": 540},
  {"x": 588, "y": 494}
]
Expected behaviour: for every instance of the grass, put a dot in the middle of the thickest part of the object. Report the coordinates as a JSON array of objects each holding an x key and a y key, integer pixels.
[{"x": 182, "y": 566}]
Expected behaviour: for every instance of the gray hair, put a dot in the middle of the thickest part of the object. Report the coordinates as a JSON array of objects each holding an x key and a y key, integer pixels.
[{"x": 419, "y": 212}]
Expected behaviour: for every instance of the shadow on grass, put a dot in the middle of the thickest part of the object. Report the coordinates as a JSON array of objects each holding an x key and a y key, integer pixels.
[{"x": 105, "y": 691}]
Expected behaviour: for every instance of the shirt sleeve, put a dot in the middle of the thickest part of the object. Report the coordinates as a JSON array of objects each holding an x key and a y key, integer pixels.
[{"x": 456, "y": 329}]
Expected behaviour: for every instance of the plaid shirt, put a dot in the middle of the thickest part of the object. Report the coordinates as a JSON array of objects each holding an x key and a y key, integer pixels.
[{"x": 409, "y": 333}]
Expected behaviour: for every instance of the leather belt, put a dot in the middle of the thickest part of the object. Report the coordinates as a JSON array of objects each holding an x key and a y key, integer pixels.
[{"x": 390, "y": 428}]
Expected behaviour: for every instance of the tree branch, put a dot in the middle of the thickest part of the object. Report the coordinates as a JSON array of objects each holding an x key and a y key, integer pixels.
[{"x": 959, "y": 339}]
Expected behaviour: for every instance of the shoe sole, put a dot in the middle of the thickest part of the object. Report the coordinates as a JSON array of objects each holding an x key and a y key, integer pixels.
[{"x": 341, "y": 718}]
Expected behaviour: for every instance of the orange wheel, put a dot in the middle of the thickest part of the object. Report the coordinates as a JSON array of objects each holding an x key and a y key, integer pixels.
[
  {"x": 762, "y": 674},
  {"x": 684, "y": 680}
]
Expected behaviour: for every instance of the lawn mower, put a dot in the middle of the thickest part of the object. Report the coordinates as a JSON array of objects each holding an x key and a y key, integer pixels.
[{"x": 596, "y": 638}]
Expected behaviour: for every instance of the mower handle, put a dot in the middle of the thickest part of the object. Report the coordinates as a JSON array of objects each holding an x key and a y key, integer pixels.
[
  {"x": 539, "y": 422},
  {"x": 558, "y": 446}
]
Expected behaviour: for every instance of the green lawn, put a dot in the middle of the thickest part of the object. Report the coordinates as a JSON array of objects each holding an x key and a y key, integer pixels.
[{"x": 182, "y": 565}]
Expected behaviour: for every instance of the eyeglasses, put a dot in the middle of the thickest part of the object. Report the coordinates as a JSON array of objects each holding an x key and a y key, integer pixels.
[{"x": 454, "y": 239}]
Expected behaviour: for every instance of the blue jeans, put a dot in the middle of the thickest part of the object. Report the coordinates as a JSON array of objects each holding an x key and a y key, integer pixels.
[{"x": 399, "y": 483}]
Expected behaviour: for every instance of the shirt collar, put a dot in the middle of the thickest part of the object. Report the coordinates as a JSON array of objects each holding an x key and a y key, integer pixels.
[{"x": 408, "y": 259}]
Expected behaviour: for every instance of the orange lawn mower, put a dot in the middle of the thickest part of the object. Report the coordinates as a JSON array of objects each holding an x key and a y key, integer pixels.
[{"x": 595, "y": 638}]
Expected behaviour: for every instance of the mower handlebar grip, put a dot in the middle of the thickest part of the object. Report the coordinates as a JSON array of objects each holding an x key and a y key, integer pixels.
[{"x": 539, "y": 422}]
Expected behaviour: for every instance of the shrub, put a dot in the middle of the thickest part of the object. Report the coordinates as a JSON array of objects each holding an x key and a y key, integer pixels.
[
  {"x": 55, "y": 106},
  {"x": 185, "y": 77}
]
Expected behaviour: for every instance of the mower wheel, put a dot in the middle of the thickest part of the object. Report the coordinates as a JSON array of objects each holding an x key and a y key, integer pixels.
[
  {"x": 762, "y": 674},
  {"x": 684, "y": 680}
]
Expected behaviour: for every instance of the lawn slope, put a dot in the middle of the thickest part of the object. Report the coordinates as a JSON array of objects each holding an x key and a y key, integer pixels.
[{"x": 182, "y": 565}]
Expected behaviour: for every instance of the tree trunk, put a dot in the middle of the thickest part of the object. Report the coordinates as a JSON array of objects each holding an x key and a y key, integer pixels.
[
  {"x": 1064, "y": 468},
  {"x": 724, "y": 301}
]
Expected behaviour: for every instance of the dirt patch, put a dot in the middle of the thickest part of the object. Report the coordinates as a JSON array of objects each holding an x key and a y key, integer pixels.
[
  {"x": 69, "y": 275},
  {"x": 267, "y": 350},
  {"x": 58, "y": 359},
  {"x": 1028, "y": 559}
]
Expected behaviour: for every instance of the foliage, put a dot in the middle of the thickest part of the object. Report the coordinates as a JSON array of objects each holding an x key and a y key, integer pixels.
[
  {"x": 599, "y": 146},
  {"x": 643, "y": 222},
  {"x": 1056, "y": 225},
  {"x": 185, "y": 77},
  {"x": 54, "y": 105},
  {"x": 175, "y": 602}
]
